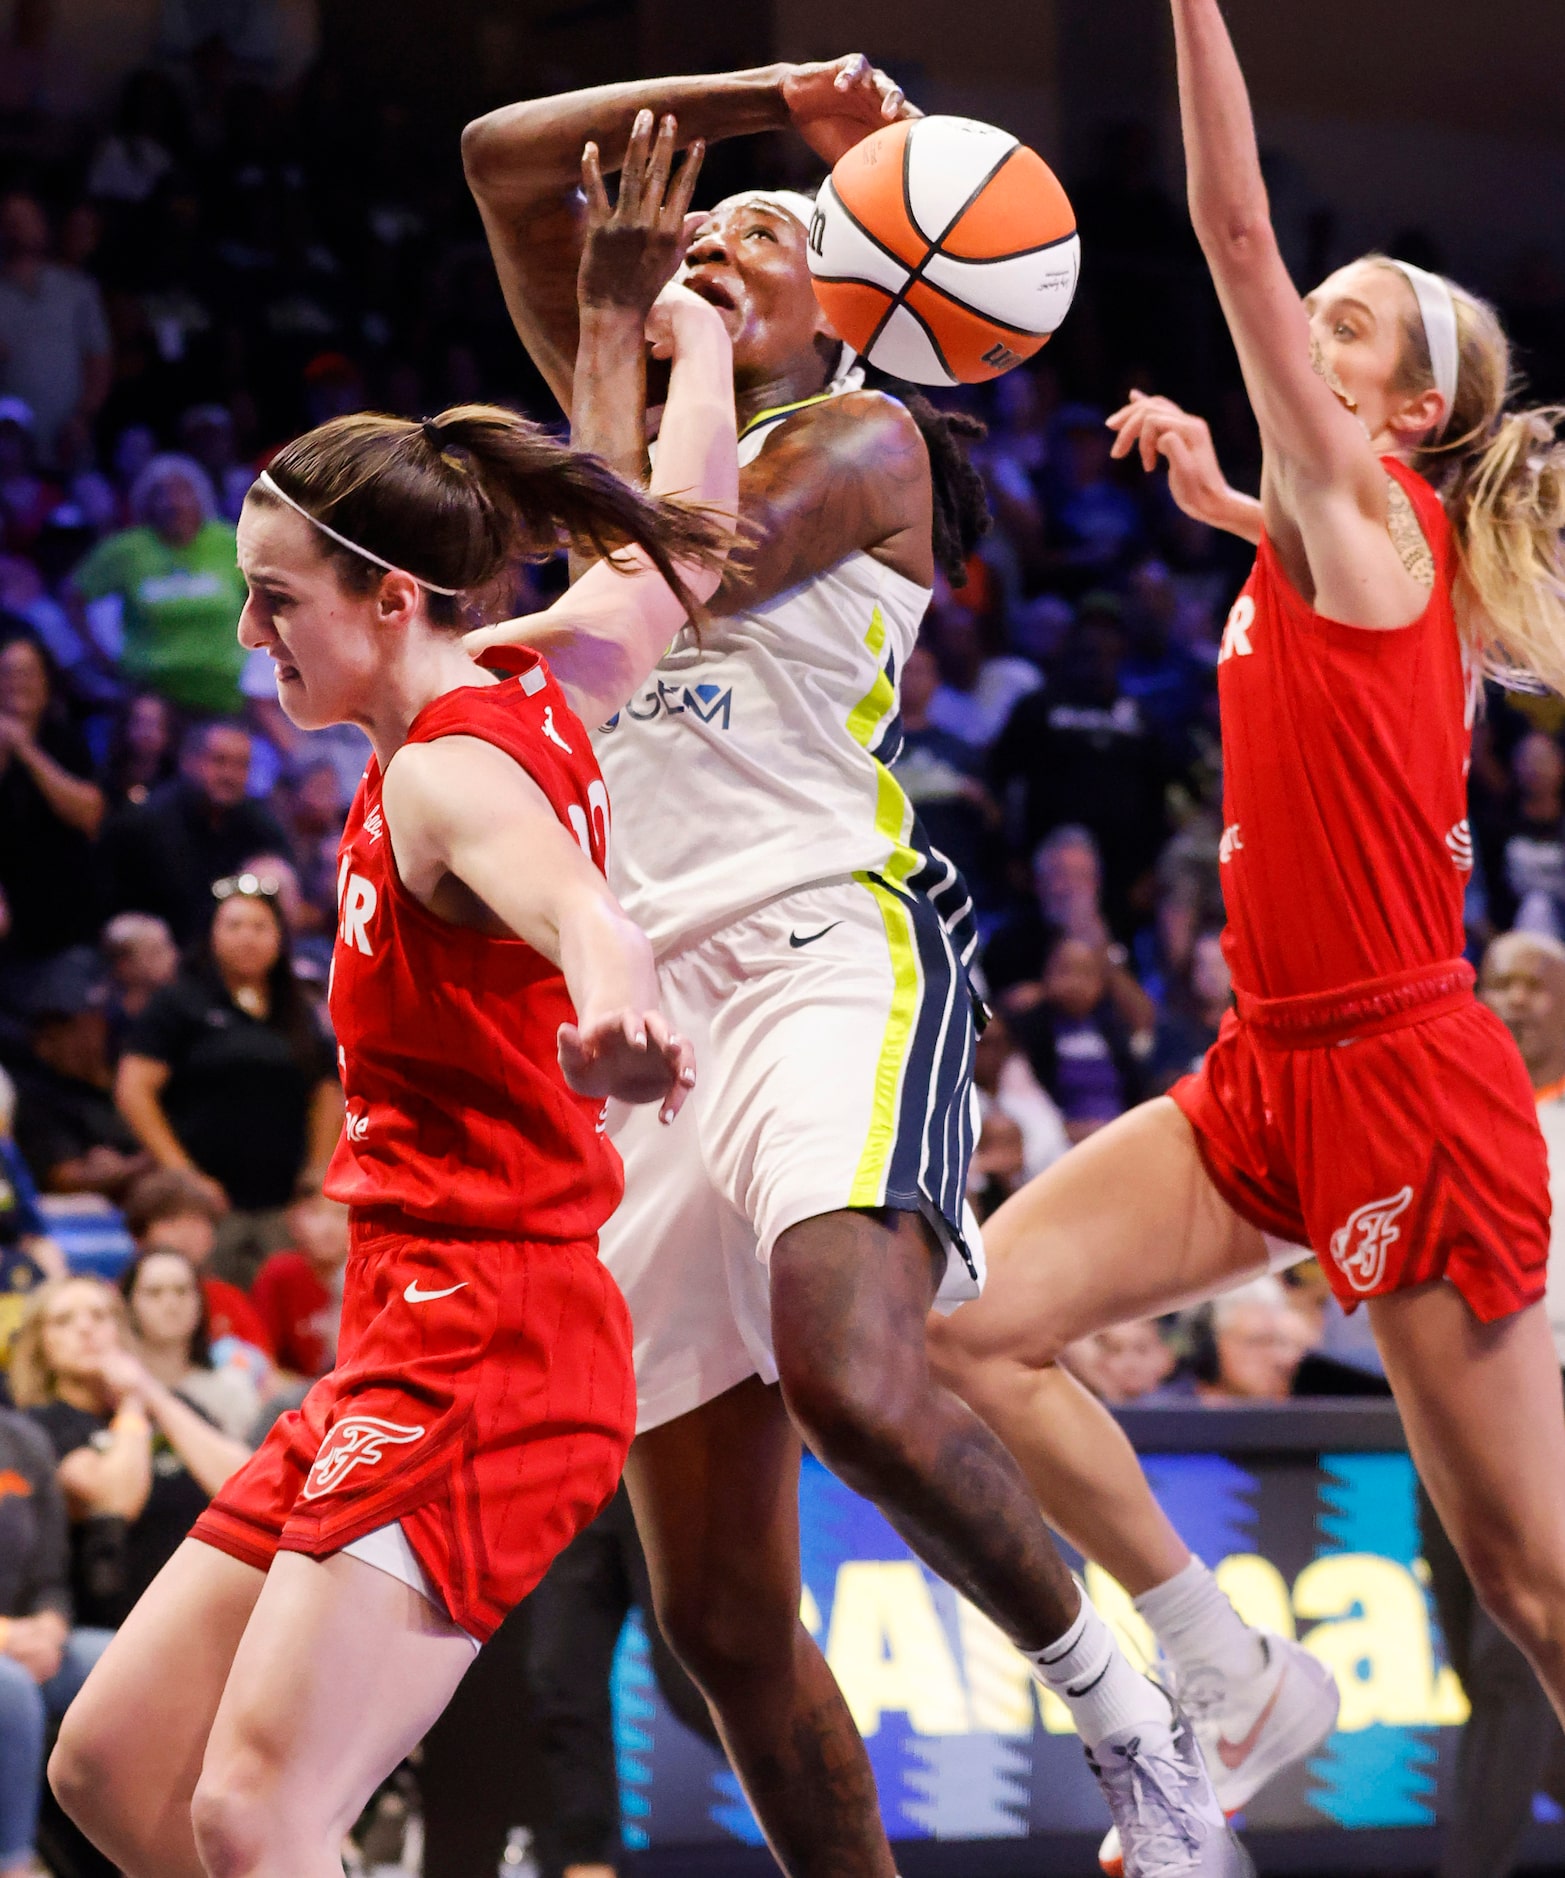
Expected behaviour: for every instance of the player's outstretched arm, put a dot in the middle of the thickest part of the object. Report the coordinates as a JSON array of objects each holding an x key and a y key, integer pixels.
[
  {"x": 461, "y": 808},
  {"x": 604, "y": 637},
  {"x": 523, "y": 166},
  {"x": 1157, "y": 427},
  {"x": 1306, "y": 429}
]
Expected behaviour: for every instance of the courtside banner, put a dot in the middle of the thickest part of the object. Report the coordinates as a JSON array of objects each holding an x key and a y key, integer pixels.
[{"x": 1309, "y": 1519}]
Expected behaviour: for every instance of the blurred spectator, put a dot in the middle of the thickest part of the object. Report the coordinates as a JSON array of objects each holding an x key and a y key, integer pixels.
[
  {"x": 168, "y": 1318},
  {"x": 172, "y": 1211},
  {"x": 1080, "y": 752},
  {"x": 43, "y": 1661},
  {"x": 1076, "y": 1041},
  {"x": 1169, "y": 681},
  {"x": 143, "y": 749},
  {"x": 1007, "y": 1086},
  {"x": 67, "y": 1127},
  {"x": 979, "y": 686},
  {"x": 54, "y": 338},
  {"x": 50, "y": 811},
  {"x": 942, "y": 777},
  {"x": 1067, "y": 882},
  {"x": 1187, "y": 1025},
  {"x": 28, "y": 1255},
  {"x": 141, "y": 957},
  {"x": 179, "y": 589},
  {"x": 1124, "y": 1364},
  {"x": 998, "y": 1167},
  {"x": 27, "y": 500},
  {"x": 138, "y": 1463},
  {"x": 228, "y": 1075},
  {"x": 1258, "y": 1341},
  {"x": 206, "y": 433},
  {"x": 298, "y": 1293},
  {"x": 1525, "y": 854},
  {"x": 1094, "y": 522},
  {"x": 164, "y": 855},
  {"x": 140, "y": 151}
]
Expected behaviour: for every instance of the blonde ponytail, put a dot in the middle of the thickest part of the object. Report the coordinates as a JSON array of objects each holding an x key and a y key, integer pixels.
[{"x": 1501, "y": 475}]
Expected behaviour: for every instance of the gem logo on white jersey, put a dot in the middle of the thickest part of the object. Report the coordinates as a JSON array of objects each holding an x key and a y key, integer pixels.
[
  {"x": 1361, "y": 1246},
  {"x": 356, "y": 1441},
  {"x": 1236, "y": 634}
]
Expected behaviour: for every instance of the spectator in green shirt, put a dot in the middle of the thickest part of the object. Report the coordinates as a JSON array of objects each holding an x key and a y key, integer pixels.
[{"x": 179, "y": 589}]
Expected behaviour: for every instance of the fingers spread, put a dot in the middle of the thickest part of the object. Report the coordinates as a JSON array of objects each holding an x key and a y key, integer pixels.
[
  {"x": 658, "y": 167},
  {"x": 678, "y": 210}
]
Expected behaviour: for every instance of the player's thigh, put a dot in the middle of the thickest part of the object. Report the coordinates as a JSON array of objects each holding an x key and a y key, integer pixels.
[
  {"x": 132, "y": 1742},
  {"x": 1125, "y": 1226},
  {"x": 340, "y": 1672},
  {"x": 1485, "y": 1421},
  {"x": 716, "y": 1497}
]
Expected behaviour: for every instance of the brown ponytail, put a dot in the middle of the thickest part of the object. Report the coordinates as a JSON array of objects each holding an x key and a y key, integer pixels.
[
  {"x": 462, "y": 496},
  {"x": 1501, "y": 474}
]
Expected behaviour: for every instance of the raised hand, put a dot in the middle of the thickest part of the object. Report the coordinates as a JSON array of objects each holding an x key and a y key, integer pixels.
[
  {"x": 835, "y": 103},
  {"x": 1157, "y": 427},
  {"x": 631, "y": 1055},
  {"x": 634, "y": 246}
]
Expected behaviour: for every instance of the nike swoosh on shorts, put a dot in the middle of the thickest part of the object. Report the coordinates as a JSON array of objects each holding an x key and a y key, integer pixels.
[
  {"x": 796, "y": 942},
  {"x": 415, "y": 1296}
]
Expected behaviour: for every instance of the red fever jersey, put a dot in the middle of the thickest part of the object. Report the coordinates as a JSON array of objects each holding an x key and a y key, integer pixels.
[
  {"x": 1361, "y": 1101},
  {"x": 456, "y": 1111},
  {"x": 1346, "y": 849}
]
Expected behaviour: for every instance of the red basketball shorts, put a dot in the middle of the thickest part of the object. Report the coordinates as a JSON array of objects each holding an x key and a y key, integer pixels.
[
  {"x": 483, "y": 1398},
  {"x": 1391, "y": 1128}
]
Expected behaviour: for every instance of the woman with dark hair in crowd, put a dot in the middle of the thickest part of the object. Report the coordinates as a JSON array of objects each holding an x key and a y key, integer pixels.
[
  {"x": 488, "y": 995},
  {"x": 50, "y": 810},
  {"x": 173, "y": 1332},
  {"x": 137, "y": 1462},
  {"x": 228, "y": 1074},
  {"x": 143, "y": 749}
]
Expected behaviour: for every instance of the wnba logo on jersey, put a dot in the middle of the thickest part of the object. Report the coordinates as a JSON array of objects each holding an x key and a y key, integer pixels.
[
  {"x": 1361, "y": 1246},
  {"x": 356, "y": 1441}
]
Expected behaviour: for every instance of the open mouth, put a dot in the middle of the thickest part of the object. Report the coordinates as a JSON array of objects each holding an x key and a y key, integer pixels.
[{"x": 712, "y": 291}]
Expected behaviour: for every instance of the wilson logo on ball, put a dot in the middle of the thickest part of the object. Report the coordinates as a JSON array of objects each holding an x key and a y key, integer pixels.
[{"x": 944, "y": 251}]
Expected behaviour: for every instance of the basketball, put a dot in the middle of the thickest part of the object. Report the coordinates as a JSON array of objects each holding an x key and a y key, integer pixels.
[{"x": 944, "y": 251}]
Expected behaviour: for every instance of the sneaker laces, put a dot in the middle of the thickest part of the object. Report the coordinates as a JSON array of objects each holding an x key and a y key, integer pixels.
[{"x": 1156, "y": 1827}]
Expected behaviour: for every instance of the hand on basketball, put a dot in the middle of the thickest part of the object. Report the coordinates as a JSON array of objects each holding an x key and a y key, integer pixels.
[
  {"x": 1158, "y": 427},
  {"x": 631, "y": 1055},
  {"x": 835, "y": 103},
  {"x": 634, "y": 245}
]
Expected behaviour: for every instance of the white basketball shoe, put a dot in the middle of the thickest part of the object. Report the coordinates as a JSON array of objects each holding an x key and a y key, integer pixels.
[{"x": 1247, "y": 1731}]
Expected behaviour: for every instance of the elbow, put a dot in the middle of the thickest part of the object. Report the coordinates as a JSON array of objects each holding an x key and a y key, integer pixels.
[
  {"x": 1234, "y": 236},
  {"x": 481, "y": 150}
]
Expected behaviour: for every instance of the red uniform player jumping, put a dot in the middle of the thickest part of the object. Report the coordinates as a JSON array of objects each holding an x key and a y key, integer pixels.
[
  {"x": 1359, "y": 1101},
  {"x": 489, "y": 995}
]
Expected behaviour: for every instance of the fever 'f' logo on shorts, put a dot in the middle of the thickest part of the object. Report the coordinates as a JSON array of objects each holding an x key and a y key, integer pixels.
[
  {"x": 356, "y": 1441},
  {"x": 1360, "y": 1247}
]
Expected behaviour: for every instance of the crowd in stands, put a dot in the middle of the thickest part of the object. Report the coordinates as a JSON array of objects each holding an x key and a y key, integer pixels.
[{"x": 181, "y": 290}]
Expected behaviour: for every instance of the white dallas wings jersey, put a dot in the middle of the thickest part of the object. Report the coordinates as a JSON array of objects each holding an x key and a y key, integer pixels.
[{"x": 754, "y": 761}]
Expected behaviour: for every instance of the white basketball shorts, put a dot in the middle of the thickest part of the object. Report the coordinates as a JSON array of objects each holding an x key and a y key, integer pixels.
[{"x": 833, "y": 1031}]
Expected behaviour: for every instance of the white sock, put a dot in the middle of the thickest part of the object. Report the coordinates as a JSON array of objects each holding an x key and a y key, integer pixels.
[
  {"x": 1088, "y": 1669},
  {"x": 1198, "y": 1627}
]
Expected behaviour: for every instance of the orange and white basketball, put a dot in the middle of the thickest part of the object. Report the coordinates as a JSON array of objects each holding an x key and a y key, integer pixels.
[{"x": 944, "y": 251}]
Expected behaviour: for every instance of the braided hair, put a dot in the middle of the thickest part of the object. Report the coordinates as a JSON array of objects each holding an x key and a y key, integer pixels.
[{"x": 962, "y": 516}]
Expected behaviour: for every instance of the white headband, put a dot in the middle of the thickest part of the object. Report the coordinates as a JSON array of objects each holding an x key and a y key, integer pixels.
[
  {"x": 1437, "y": 308},
  {"x": 342, "y": 541}
]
